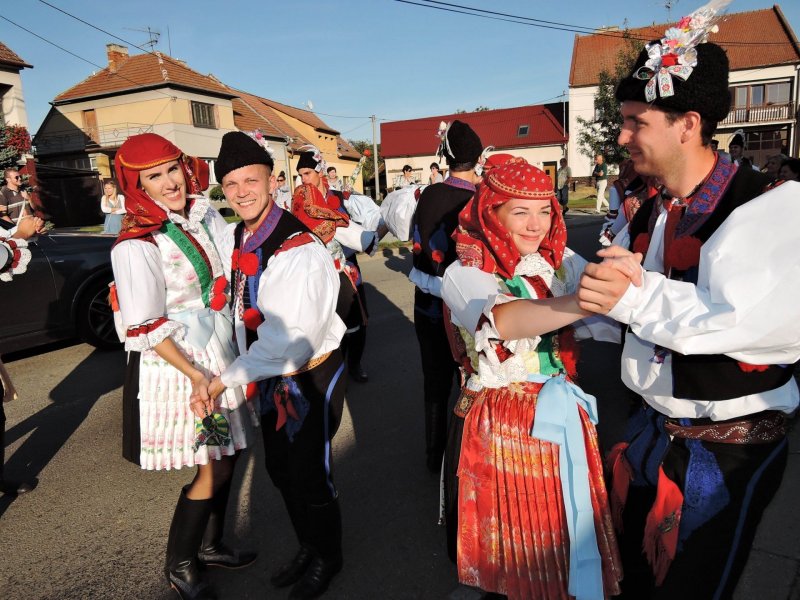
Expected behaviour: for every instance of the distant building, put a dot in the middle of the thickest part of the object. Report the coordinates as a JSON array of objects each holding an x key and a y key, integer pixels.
[
  {"x": 535, "y": 133},
  {"x": 764, "y": 59},
  {"x": 12, "y": 100}
]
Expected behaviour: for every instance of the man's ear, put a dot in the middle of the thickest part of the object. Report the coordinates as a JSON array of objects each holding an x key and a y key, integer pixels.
[{"x": 692, "y": 124}]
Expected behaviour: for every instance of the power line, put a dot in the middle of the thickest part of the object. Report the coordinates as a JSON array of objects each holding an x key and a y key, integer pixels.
[{"x": 531, "y": 22}]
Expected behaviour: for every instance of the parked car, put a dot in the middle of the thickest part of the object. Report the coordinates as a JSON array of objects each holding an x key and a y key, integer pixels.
[{"x": 63, "y": 294}]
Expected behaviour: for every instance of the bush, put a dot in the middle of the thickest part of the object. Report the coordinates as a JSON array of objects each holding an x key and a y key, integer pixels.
[{"x": 215, "y": 193}]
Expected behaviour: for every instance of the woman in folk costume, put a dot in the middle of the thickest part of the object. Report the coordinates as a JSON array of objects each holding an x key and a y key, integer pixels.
[
  {"x": 533, "y": 516},
  {"x": 627, "y": 193},
  {"x": 170, "y": 286}
]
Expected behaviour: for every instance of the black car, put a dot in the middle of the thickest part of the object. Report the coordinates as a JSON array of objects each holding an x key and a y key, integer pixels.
[{"x": 63, "y": 293}]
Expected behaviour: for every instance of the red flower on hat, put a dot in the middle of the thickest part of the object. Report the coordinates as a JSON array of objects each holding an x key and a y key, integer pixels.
[
  {"x": 235, "y": 260},
  {"x": 437, "y": 256},
  {"x": 218, "y": 302},
  {"x": 252, "y": 319},
  {"x": 684, "y": 253},
  {"x": 641, "y": 243},
  {"x": 669, "y": 60},
  {"x": 248, "y": 263}
]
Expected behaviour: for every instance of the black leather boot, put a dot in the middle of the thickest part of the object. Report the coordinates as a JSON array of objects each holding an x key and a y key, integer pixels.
[
  {"x": 185, "y": 533},
  {"x": 292, "y": 571},
  {"x": 325, "y": 529},
  {"x": 435, "y": 435},
  {"x": 7, "y": 486},
  {"x": 213, "y": 553}
]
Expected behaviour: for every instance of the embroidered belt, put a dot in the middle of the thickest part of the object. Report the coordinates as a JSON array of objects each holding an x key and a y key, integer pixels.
[
  {"x": 762, "y": 428},
  {"x": 314, "y": 362}
]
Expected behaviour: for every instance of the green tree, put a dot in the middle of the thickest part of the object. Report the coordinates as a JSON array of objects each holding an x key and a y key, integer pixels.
[
  {"x": 599, "y": 135},
  {"x": 368, "y": 170}
]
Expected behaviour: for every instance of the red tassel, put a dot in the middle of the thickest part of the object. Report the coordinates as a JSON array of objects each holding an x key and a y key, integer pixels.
[
  {"x": 252, "y": 390},
  {"x": 621, "y": 477},
  {"x": 662, "y": 525},
  {"x": 248, "y": 263},
  {"x": 748, "y": 368}
]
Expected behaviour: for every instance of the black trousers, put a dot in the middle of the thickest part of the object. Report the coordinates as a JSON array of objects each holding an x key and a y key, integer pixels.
[
  {"x": 708, "y": 565},
  {"x": 303, "y": 466}
]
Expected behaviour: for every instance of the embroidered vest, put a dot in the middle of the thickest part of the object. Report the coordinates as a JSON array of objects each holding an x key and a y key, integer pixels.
[{"x": 714, "y": 376}]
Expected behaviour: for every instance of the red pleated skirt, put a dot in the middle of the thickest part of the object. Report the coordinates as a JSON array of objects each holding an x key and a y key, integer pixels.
[{"x": 512, "y": 530}]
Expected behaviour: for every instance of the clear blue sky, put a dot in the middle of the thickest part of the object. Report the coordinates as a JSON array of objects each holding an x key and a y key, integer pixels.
[{"x": 351, "y": 58}]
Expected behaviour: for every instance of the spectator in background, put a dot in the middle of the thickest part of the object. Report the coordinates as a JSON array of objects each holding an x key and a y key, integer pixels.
[
  {"x": 773, "y": 166},
  {"x": 790, "y": 170},
  {"x": 563, "y": 177},
  {"x": 112, "y": 203},
  {"x": 11, "y": 196},
  {"x": 334, "y": 182},
  {"x": 600, "y": 175},
  {"x": 436, "y": 174},
  {"x": 282, "y": 194},
  {"x": 405, "y": 179}
]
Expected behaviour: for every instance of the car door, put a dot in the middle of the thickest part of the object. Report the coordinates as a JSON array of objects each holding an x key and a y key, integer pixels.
[{"x": 28, "y": 301}]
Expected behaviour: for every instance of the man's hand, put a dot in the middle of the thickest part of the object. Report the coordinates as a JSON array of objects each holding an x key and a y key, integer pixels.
[
  {"x": 199, "y": 401},
  {"x": 28, "y": 226},
  {"x": 216, "y": 387},
  {"x": 601, "y": 288},
  {"x": 627, "y": 263}
]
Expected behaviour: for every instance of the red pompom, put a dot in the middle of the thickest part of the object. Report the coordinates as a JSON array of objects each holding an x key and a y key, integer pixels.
[
  {"x": 248, "y": 263},
  {"x": 367, "y": 152},
  {"x": 252, "y": 319},
  {"x": 416, "y": 248},
  {"x": 251, "y": 391},
  {"x": 684, "y": 253},
  {"x": 337, "y": 264},
  {"x": 235, "y": 260},
  {"x": 641, "y": 243},
  {"x": 437, "y": 256},
  {"x": 220, "y": 283},
  {"x": 218, "y": 302},
  {"x": 748, "y": 368}
]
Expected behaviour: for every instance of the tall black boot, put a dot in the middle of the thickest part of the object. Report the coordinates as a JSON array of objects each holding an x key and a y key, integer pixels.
[
  {"x": 185, "y": 533},
  {"x": 325, "y": 529},
  {"x": 292, "y": 571},
  {"x": 213, "y": 553},
  {"x": 6, "y": 486},
  {"x": 435, "y": 435}
]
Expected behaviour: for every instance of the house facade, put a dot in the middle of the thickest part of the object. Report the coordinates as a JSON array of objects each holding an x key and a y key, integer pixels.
[
  {"x": 535, "y": 133},
  {"x": 764, "y": 58},
  {"x": 12, "y": 99}
]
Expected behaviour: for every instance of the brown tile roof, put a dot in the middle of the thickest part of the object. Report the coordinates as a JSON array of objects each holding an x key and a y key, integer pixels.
[
  {"x": 345, "y": 149},
  {"x": 142, "y": 71},
  {"x": 252, "y": 112},
  {"x": 306, "y": 116},
  {"x": 9, "y": 57},
  {"x": 753, "y": 39}
]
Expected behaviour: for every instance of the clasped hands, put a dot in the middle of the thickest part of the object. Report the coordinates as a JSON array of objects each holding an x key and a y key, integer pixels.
[
  {"x": 602, "y": 285},
  {"x": 204, "y": 394}
]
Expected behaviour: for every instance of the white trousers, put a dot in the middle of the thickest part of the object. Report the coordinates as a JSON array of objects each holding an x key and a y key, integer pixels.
[{"x": 601, "y": 194}]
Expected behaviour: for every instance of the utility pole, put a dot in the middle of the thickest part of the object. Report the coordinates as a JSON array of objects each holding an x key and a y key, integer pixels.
[
  {"x": 289, "y": 177},
  {"x": 564, "y": 120},
  {"x": 375, "y": 158}
]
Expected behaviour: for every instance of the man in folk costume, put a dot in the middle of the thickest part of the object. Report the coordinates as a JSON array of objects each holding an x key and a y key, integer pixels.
[
  {"x": 435, "y": 220},
  {"x": 713, "y": 329},
  {"x": 322, "y": 209},
  {"x": 285, "y": 290}
]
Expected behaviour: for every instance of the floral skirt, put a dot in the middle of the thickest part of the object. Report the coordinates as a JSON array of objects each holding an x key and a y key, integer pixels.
[
  {"x": 166, "y": 420},
  {"x": 512, "y": 530}
]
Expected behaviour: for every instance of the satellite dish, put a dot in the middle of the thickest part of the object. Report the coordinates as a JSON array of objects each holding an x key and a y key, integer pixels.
[{"x": 310, "y": 105}]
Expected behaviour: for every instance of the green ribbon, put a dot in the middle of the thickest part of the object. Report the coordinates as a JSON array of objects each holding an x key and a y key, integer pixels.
[{"x": 201, "y": 267}]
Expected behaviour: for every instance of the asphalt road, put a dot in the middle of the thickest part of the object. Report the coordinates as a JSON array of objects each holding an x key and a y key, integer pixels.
[{"x": 96, "y": 526}]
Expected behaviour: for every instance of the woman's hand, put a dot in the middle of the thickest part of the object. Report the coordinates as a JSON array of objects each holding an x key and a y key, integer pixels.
[
  {"x": 627, "y": 263},
  {"x": 200, "y": 401}
]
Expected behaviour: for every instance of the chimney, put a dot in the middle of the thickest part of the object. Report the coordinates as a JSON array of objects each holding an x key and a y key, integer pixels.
[{"x": 116, "y": 56}]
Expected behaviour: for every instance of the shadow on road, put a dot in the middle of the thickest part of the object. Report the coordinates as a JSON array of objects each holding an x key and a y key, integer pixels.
[{"x": 50, "y": 428}]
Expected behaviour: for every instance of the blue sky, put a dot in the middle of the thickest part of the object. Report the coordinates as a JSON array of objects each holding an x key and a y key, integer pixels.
[{"x": 351, "y": 58}]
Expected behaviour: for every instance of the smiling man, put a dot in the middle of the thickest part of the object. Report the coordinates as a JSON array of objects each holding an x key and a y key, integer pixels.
[
  {"x": 712, "y": 334},
  {"x": 284, "y": 293}
]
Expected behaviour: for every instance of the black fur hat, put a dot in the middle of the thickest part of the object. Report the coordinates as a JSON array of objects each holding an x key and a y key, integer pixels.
[
  {"x": 307, "y": 161},
  {"x": 462, "y": 144},
  {"x": 239, "y": 150},
  {"x": 705, "y": 91}
]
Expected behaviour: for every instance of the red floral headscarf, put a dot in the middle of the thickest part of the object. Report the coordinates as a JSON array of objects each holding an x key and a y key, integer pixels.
[
  {"x": 321, "y": 214},
  {"x": 481, "y": 240},
  {"x": 145, "y": 151}
]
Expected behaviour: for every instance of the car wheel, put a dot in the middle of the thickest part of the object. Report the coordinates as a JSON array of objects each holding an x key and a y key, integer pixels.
[{"x": 95, "y": 317}]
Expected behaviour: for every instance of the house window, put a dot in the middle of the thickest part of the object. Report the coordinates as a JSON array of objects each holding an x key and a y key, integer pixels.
[
  {"x": 522, "y": 131},
  {"x": 759, "y": 95},
  {"x": 778, "y": 93},
  {"x": 203, "y": 115}
]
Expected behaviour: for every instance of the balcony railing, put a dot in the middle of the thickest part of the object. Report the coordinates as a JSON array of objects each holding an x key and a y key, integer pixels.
[
  {"x": 760, "y": 114},
  {"x": 75, "y": 139}
]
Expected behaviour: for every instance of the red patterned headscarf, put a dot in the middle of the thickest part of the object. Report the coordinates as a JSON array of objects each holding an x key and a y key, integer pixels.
[
  {"x": 321, "y": 214},
  {"x": 483, "y": 242},
  {"x": 145, "y": 151}
]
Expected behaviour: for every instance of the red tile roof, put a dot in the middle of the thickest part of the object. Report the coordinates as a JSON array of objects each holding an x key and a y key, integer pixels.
[
  {"x": 142, "y": 71},
  {"x": 499, "y": 128},
  {"x": 251, "y": 112},
  {"x": 346, "y": 150},
  {"x": 305, "y": 116},
  {"x": 11, "y": 58},
  {"x": 753, "y": 39}
]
